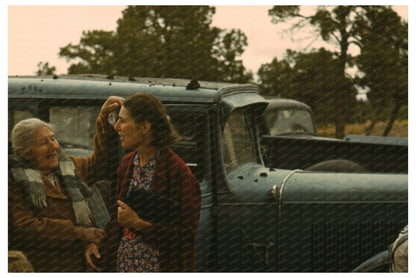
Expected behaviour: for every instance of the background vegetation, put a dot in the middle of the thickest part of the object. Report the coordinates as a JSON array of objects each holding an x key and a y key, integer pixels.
[{"x": 179, "y": 41}]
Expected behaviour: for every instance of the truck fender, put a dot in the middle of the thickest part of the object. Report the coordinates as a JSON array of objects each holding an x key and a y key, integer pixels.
[{"x": 337, "y": 165}]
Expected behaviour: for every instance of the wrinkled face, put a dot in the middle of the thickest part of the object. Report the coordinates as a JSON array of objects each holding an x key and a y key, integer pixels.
[
  {"x": 131, "y": 135},
  {"x": 45, "y": 149}
]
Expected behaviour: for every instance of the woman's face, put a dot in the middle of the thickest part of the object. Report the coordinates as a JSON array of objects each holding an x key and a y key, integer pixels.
[
  {"x": 45, "y": 149},
  {"x": 131, "y": 135}
]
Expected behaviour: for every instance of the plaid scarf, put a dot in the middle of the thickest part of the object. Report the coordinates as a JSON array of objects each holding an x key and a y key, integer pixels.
[{"x": 31, "y": 180}]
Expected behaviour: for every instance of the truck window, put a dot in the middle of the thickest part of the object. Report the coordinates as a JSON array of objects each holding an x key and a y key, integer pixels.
[
  {"x": 75, "y": 128},
  {"x": 16, "y": 116},
  {"x": 238, "y": 146},
  {"x": 190, "y": 128},
  {"x": 289, "y": 121}
]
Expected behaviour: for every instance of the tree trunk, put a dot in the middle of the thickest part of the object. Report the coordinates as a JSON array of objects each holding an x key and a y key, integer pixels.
[
  {"x": 342, "y": 98},
  {"x": 340, "y": 123},
  {"x": 393, "y": 117},
  {"x": 371, "y": 127},
  {"x": 342, "y": 104}
]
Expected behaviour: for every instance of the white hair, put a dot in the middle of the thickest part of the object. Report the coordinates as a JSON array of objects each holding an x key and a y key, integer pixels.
[{"x": 23, "y": 134}]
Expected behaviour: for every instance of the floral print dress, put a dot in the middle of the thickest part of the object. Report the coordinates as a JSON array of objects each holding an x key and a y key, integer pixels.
[{"x": 135, "y": 255}]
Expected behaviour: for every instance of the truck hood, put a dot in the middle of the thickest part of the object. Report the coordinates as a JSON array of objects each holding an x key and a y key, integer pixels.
[{"x": 253, "y": 183}]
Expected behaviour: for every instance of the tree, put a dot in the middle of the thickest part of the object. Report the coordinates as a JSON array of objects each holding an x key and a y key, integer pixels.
[
  {"x": 160, "y": 41},
  {"x": 95, "y": 52},
  {"x": 299, "y": 77},
  {"x": 377, "y": 31},
  {"x": 227, "y": 50},
  {"x": 384, "y": 60},
  {"x": 316, "y": 85},
  {"x": 336, "y": 23},
  {"x": 276, "y": 78},
  {"x": 166, "y": 41},
  {"x": 45, "y": 69}
]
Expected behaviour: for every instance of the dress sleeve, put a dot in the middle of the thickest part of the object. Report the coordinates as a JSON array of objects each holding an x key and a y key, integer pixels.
[{"x": 182, "y": 232}]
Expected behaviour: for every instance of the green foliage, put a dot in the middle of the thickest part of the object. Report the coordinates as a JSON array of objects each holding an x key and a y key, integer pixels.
[
  {"x": 45, "y": 69},
  {"x": 382, "y": 38},
  {"x": 228, "y": 48},
  {"x": 281, "y": 13},
  {"x": 94, "y": 52},
  {"x": 166, "y": 41},
  {"x": 306, "y": 77},
  {"x": 333, "y": 23},
  {"x": 276, "y": 78},
  {"x": 327, "y": 24},
  {"x": 162, "y": 41},
  {"x": 384, "y": 57},
  {"x": 384, "y": 60}
]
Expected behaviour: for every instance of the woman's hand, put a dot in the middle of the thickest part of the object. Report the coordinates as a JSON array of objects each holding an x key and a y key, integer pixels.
[
  {"x": 92, "y": 249},
  {"x": 109, "y": 105},
  {"x": 127, "y": 217},
  {"x": 90, "y": 235}
]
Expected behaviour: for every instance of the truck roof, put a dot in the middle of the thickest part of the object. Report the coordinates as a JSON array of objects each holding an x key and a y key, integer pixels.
[
  {"x": 93, "y": 86},
  {"x": 285, "y": 102}
]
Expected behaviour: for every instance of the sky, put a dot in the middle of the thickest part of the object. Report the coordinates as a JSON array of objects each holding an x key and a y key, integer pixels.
[{"x": 36, "y": 33}]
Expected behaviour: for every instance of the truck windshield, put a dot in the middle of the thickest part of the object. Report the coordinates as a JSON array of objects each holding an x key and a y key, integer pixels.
[
  {"x": 238, "y": 144},
  {"x": 289, "y": 121}
]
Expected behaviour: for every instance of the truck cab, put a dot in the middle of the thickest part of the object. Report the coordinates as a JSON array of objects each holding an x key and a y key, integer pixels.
[
  {"x": 288, "y": 117},
  {"x": 254, "y": 218}
]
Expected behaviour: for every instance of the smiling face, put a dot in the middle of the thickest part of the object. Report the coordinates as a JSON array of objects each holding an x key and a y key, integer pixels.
[
  {"x": 131, "y": 135},
  {"x": 44, "y": 155}
]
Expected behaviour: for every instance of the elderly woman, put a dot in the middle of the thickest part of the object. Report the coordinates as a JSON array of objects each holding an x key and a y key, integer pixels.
[
  {"x": 137, "y": 243},
  {"x": 50, "y": 219}
]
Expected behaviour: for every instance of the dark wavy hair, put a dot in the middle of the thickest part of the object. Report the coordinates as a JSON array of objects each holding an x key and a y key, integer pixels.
[{"x": 144, "y": 107}]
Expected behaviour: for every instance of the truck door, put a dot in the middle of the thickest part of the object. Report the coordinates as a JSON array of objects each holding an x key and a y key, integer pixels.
[
  {"x": 192, "y": 122},
  {"x": 246, "y": 220}
]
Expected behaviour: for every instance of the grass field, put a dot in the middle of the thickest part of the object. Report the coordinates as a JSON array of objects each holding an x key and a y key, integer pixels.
[{"x": 400, "y": 129}]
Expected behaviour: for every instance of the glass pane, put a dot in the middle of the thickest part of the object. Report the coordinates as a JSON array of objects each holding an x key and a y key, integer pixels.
[
  {"x": 238, "y": 146},
  {"x": 21, "y": 115},
  {"x": 15, "y": 117},
  {"x": 75, "y": 128},
  {"x": 189, "y": 149},
  {"x": 289, "y": 121}
]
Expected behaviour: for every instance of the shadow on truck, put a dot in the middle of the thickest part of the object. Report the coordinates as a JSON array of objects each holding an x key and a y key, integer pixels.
[{"x": 254, "y": 218}]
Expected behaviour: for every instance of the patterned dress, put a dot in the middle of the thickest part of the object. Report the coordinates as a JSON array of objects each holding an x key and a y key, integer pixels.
[{"x": 135, "y": 255}]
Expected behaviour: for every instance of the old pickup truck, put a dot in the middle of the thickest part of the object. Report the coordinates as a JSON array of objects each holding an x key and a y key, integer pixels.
[
  {"x": 290, "y": 141},
  {"x": 254, "y": 218}
]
